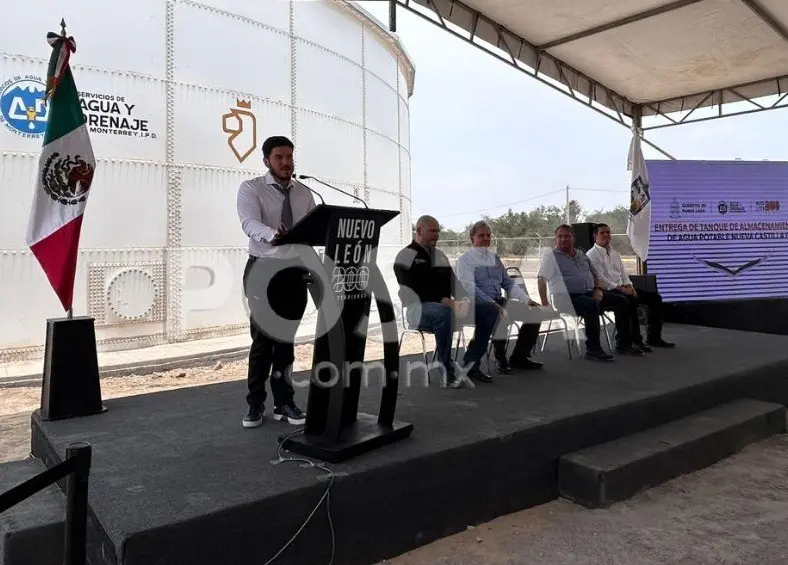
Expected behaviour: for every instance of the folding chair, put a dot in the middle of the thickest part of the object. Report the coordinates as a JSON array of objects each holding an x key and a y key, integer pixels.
[
  {"x": 557, "y": 317},
  {"x": 578, "y": 322},
  {"x": 406, "y": 329},
  {"x": 517, "y": 276},
  {"x": 461, "y": 339}
]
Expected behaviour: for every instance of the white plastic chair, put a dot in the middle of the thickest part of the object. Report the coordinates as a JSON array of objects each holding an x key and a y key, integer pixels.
[
  {"x": 515, "y": 273},
  {"x": 406, "y": 329},
  {"x": 578, "y": 322}
]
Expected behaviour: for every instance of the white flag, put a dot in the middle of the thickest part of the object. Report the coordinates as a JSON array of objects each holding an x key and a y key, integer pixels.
[{"x": 639, "y": 224}]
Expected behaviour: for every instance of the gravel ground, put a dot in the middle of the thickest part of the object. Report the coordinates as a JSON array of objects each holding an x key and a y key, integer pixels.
[
  {"x": 735, "y": 512},
  {"x": 17, "y": 402}
]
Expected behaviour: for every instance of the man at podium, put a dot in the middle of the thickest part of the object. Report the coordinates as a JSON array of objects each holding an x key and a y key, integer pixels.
[{"x": 274, "y": 280}]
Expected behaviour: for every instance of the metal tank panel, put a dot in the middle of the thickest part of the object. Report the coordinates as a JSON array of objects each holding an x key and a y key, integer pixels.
[{"x": 179, "y": 99}]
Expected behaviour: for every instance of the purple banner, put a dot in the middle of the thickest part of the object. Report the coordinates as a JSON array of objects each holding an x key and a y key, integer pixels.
[{"x": 719, "y": 229}]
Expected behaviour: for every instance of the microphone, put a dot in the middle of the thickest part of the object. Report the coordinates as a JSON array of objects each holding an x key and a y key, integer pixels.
[
  {"x": 353, "y": 196},
  {"x": 312, "y": 191}
]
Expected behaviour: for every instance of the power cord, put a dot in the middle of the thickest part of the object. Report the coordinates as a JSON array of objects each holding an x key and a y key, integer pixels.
[{"x": 326, "y": 496}]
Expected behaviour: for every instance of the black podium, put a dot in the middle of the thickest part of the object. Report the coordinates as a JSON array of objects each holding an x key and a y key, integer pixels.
[{"x": 343, "y": 284}]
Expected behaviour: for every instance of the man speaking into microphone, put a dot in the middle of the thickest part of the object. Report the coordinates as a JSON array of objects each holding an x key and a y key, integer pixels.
[{"x": 273, "y": 280}]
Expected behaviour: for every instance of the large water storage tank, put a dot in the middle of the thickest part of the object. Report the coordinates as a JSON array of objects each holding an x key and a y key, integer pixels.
[{"x": 179, "y": 96}]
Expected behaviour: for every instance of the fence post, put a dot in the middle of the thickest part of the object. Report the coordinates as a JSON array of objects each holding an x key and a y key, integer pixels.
[{"x": 77, "y": 504}]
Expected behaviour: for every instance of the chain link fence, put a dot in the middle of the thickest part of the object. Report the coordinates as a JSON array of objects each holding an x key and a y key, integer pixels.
[{"x": 525, "y": 253}]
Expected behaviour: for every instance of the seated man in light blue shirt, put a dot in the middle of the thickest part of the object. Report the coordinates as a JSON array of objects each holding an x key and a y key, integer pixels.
[{"x": 484, "y": 278}]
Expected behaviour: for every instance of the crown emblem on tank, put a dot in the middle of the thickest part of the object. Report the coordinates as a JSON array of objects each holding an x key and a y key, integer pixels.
[{"x": 240, "y": 124}]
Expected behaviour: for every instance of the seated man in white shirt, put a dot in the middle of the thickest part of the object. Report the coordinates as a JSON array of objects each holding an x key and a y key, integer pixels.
[{"x": 607, "y": 263}]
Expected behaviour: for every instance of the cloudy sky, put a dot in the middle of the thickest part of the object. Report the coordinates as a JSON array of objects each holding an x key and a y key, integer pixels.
[{"x": 487, "y": 135}]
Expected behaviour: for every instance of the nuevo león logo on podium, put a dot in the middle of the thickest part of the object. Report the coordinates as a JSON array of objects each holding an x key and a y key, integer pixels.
[
  {"x": 22, "y": 107},
  {"x": 349, "y": 279}
]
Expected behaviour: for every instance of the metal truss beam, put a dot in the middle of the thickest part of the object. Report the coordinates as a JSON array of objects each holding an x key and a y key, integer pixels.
[
  {"x": 722, "y": 99},
  {"x": 767, "y": 18},
  {"x": 619, "y": 116},
  {"x": 506, "y": 46},
  {"x": 619, "y": 23}
]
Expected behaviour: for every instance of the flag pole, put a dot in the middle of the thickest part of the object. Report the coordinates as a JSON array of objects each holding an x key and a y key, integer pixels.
[
  {"x": 70, "y": 311},
  {"x": 637, "y": 123},
  {"x": 71, "y": 384}
]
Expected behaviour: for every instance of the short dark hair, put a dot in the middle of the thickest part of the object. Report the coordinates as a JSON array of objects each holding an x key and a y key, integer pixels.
[
  {"x": 275, "y": 141},
  {"x": 564, "y": 227},
  {"x": 598, "y": 227}
]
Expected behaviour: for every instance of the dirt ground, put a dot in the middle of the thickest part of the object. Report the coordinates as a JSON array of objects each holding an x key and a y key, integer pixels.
[
  {"x": 735, "y": 512},
  {"x": 17, "y": 402}
]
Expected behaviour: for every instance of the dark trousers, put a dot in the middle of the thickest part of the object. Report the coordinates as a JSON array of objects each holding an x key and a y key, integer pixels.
[
  {"x": 440, "y": 320},
  {"x": 485, "y": 316},
  {"x": 273, "y": 325},
  {"x": 526, "y": 337},
  {"x": 653, "y": 303},
  {"x": 590, "y": 310}
]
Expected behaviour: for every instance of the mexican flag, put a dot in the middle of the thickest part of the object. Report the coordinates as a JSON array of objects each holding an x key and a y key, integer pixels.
[{"x": 65, "y": 173}]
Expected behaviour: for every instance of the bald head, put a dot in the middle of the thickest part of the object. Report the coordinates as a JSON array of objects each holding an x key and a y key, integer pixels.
[{"x": 428, "y": 231}]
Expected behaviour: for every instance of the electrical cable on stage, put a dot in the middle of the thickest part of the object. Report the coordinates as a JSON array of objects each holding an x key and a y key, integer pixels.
[{"x": 326, "y": 496}]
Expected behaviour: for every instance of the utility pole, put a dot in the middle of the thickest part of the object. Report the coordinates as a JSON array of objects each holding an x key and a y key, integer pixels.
[{"x": 566, "y": 208}]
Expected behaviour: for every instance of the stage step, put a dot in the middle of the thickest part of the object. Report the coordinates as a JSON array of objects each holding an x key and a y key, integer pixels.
[
  {"x": 32, "y": 531},
  {"x": 598, "y": 476}
]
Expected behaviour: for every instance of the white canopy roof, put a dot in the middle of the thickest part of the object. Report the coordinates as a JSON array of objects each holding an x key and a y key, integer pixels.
[{"x": 663, "y": 56}]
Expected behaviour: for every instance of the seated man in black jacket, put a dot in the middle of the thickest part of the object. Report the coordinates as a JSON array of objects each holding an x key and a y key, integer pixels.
[{"x": 434, "y": 299}]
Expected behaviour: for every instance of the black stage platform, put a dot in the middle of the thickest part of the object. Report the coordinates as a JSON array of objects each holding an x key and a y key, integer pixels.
[{"x": 176, "y": 480}]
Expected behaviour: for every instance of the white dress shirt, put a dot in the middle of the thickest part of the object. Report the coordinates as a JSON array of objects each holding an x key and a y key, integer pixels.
[
  {"x": 609, "y": 267},
  {"x": 260, "y": 211}
]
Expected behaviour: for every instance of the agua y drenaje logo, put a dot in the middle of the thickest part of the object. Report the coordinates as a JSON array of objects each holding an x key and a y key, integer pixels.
[{"x": 22, "y": 107}]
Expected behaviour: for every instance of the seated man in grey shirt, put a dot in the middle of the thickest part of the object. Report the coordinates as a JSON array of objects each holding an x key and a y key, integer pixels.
[
  {"x": 568, "y": 271},
  {"x": 274, "y": 280}
]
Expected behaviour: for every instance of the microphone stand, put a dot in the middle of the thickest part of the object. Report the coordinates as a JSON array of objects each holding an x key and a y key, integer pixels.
[
  {"x": 353, "y": 196},
  {"x": 316, "y": 193}
]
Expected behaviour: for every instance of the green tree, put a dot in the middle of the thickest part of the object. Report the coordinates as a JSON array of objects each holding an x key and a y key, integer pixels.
[
  {"x": 617, "y": 219},
  {"x": 517, "y": 234}
]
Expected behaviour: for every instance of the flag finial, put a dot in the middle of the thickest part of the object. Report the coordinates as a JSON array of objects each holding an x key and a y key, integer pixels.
[{"x": 62, "y": 47}]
